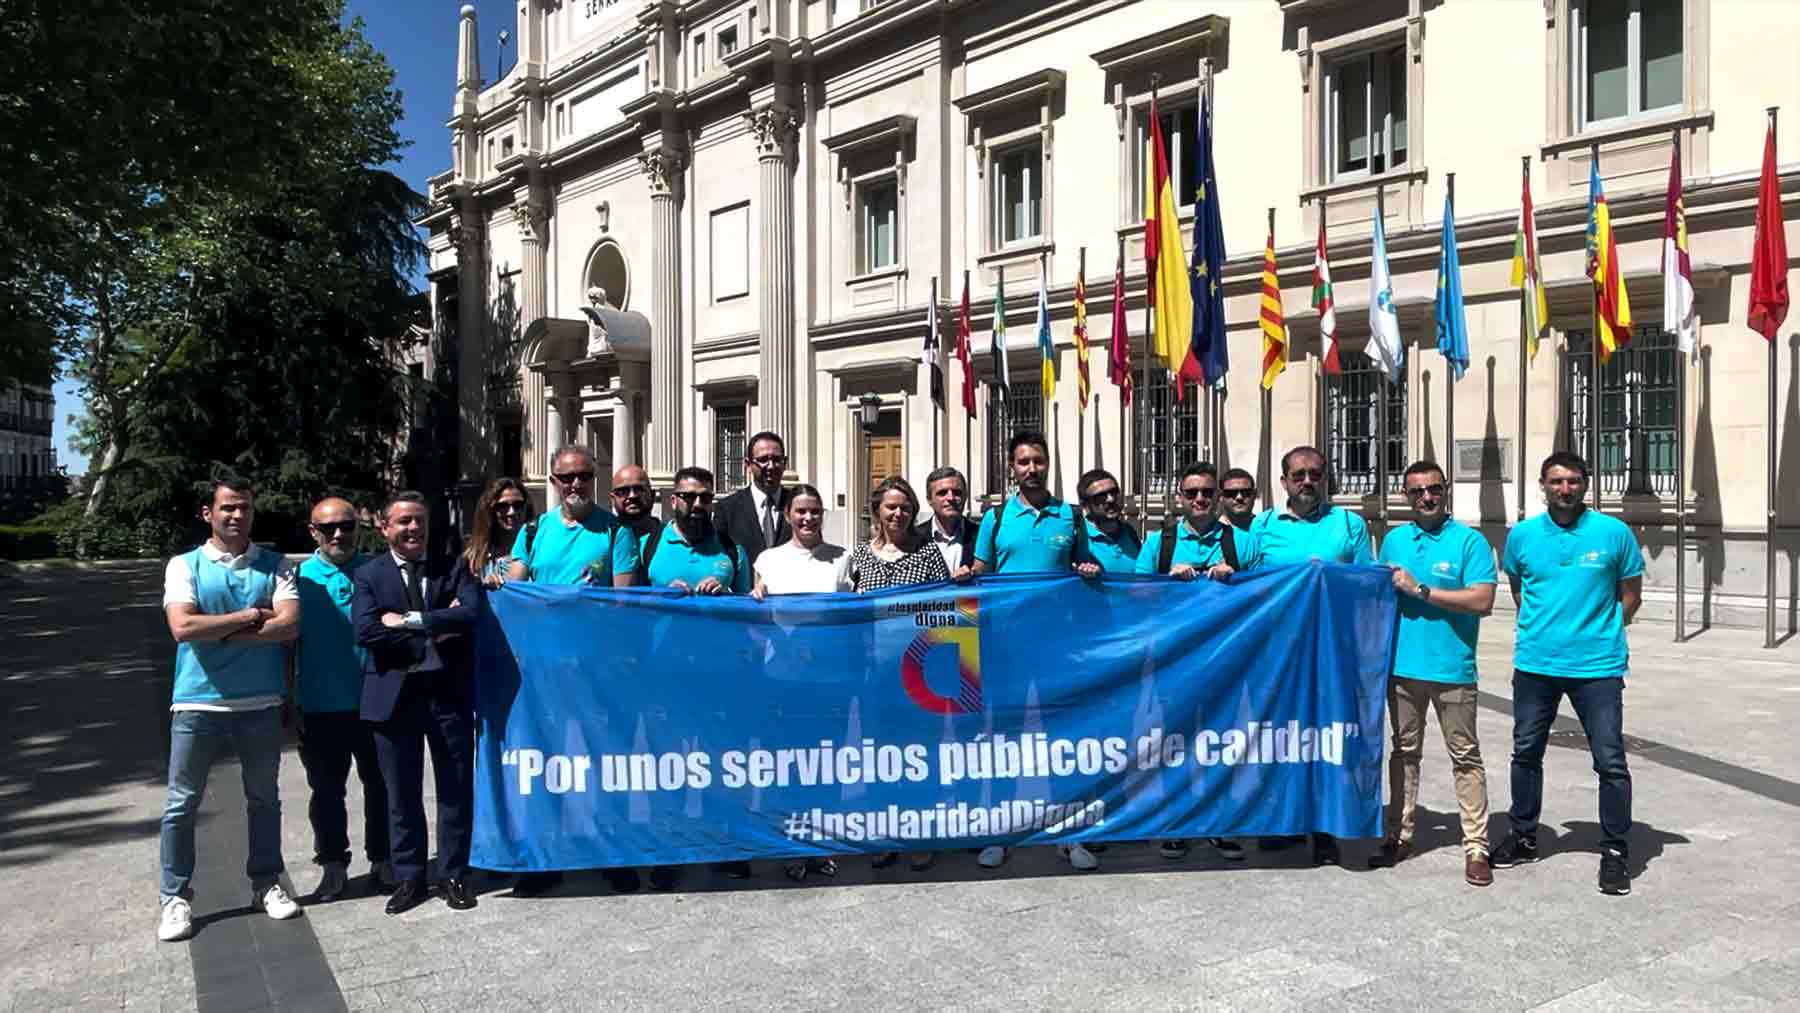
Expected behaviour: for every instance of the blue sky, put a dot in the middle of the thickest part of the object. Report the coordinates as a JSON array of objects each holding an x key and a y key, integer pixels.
[{"x": 419, "y": 39}]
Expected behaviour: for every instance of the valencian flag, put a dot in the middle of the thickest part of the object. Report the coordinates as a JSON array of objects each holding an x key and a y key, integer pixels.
[
  {"x": 1171, "y": 306},
  {"x": 1118, "y": 355},
  {"x": 1768, "y": 264},
  {"x": 1384, "y": 321},
  {"x": 1612, "y": 310},
  {"x": 934, "y": 356},
  {"x": 1679, "y": 316},
  {"x": 1046, "y": 347},
  {"x": 1207, "y": 360},
  {"x": 1274, "y": 325},
  {"x": 962, "y": 351},
  {"x": 1452, "y": 321},
  {"x": 1321, "y": 300},
  {"x": 1002, "y": 375},
  {"x": 1526, "y": 275},
  {"x": 1083, "y": 386}
]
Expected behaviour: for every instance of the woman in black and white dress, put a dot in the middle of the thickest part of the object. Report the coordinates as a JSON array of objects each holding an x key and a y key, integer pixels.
[{"x": 895, "y": 556}]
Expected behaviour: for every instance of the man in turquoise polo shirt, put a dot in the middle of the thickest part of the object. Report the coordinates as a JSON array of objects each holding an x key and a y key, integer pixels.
[
  {"x": 1203, "y": 543},
  {"x": 328, "y": 686},
  {"x": 1577, "y": 578},
  {"x": 1309, "y": 527},
  {"x": 1034, "y": 532},
  {"x": 231, "y": 607},
  {"x": 691, "y": 552},
  {"x": 577, "y": 542},
  {"x": 1444, "y": 574},
  {"x": 1113, "y": 543}
]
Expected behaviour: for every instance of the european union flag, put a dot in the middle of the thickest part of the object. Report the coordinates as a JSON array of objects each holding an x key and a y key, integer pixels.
[
  {"x": 1452, "y": 323},
  {"x": 1207, "y": 350}
]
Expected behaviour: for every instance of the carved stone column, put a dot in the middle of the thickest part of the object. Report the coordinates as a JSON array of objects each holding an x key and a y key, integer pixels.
[
  {"x": 662, "y": 170},
  {"x": 624, "y": 431},
  {"x": 475, "y": 430},
  {"x": 776, "y": 131},
  {"x": 534, "y": 304}
]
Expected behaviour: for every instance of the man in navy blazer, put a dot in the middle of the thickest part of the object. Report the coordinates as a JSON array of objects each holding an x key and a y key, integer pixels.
[{"x": 416, "y": 614}]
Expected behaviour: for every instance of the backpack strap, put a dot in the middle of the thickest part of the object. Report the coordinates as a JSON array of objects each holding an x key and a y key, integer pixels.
[
  {"x": 731, "y": 551},
  {"x": 1165, "y": 552},
  {"x": 649, "y": 552},
  {"x": 530, "y": 533},
  {"x": 1228, "y": 545}
]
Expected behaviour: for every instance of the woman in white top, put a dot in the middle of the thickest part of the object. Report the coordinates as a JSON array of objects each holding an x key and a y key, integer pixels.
[{"x": 805, "y": 563}]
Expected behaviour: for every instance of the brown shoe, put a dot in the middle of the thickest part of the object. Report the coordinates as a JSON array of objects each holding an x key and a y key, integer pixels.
[
  {"x": 1392, "y": 853},
  {"x": 1476, "y": 871}
]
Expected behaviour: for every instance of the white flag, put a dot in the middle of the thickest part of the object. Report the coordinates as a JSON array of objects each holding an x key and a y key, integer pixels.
[{"x": 1384, "y": 325}]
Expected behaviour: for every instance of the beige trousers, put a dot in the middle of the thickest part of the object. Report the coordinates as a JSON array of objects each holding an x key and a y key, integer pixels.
[{"x": 1455, "y": 706}]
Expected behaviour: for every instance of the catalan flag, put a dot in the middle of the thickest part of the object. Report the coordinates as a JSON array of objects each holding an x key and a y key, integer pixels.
[
  {"x": 1171, "y": 304},
  {"x": 1612, "y": 310},
  {"x": 1526, "y": 275},
  {"x": 1274, "y": 324},
  {"x": 1083, "y": 386}
]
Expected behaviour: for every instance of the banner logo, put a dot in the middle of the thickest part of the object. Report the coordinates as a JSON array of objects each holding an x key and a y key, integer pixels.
[{"x": 955, "y": 624}]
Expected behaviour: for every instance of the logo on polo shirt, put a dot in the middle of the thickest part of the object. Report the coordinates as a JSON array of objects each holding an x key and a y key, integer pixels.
[
  {"x": 1591, "y": 558},
  {"x": 1442, "y": 567},
  {"x": 948, "y": 624}
]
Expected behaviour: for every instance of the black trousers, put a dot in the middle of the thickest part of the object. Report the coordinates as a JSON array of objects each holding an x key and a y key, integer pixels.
[
  {"x": 329, "y": 744},
  {"x": 423, "y": 719}
]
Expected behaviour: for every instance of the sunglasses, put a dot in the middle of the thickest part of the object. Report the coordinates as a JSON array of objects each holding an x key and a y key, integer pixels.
[
  {"x": 1239, "y": 494},
  {"x": 332, "y": 528},
  {"x": 694, "y": 498},
  {"x": 768, "y": 462},
  {"x": 1435, "y": 489},
  {"x": 631, "y": 490},
  {"x": 1199, "y": 493},
  {"x": 573, "y": 477},
  {"x": 509, "y": 507},
  {"x": 1102, "y": 495},
  {"x": 1315, "y": 474}
]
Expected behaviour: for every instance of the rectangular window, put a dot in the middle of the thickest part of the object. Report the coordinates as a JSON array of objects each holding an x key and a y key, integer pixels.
[
  {"x": 1351, "y": 401},
  {"x": 1627, "y": 58},
  {"x": 878, "y": 225},
  {"x": 1637, "y": 412},
  {"x": 506, "y": 147},
  {"x": 1018, "y": 194},
  {"x": 728, "y": 42},
  {"x": 699, "y": 66},
  {"x": 1181, "y": 146},
  {"x": 1365, "y": 113},
  {"x": 731, "y": 425},
  {"x": 1019, "y": 411},
  {"x": 1166, "y": 444}
]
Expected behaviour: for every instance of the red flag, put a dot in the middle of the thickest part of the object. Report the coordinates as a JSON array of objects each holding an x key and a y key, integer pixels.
[
  {"x": 962, "y": 351},
  {"x": 1768, "y": 265},
  {"x": 1118, "y": 357}
]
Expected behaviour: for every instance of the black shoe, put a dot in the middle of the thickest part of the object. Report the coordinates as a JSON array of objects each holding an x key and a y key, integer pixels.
[
  {"x": 1324, "y": 850},
  {"x": 662, "y": 878},
  {"x": 536, "y": 884},
  {"x": 1278, "y": 843},
  {"x": 456, "y": 893},
  {"x": 408, "y": 895},
  {"x": 1615, "y": 878},
  {"x": 1517, "y": 849},
  {"x": 622, "y": 880},
  {"x": 885, "y": 859},
  {"x": 736, "y": 870},
  {"x": 1228, "y": 849},
  {"x": 1392, "y": 853}
]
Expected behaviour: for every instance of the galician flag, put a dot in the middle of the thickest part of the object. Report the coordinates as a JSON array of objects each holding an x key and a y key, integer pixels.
[
  {"x": 934, "y": 356},
  {"x": 1321, "y": 301},
  {"x": 1384, "y": 323},
  {"x": 1526, "y": 275},
  {"x": 1002, "y": 376},
  {"x": 1273, "y": 322},
  {"x": 1046, "y": 347},
  {"x": 1452, "y": 321},
  {"x": 1612, "y": 310},
  {"x": 1679, "y": 316}
]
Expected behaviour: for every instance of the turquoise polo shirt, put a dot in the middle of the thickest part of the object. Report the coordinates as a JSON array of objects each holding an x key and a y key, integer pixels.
[
  {"x": 677, "y": 559},
  {"x": 562, "y": 555},
  {"x": 1115, "y": 555},
  {"x": 1202, "y": 552},
  {"x": 1435, "y": 645},
  {"x": 1031, "y": 540},
  {"x": 330, "y": 664},
  {"x": 1570, "y": 621},
  {"x": 1330, "y": 533}
]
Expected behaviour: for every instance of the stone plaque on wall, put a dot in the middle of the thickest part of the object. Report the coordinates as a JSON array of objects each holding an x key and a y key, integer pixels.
[{"x": 1484, "y": 460}]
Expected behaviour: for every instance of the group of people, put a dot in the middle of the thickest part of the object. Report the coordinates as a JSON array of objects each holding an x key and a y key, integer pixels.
[{"x": 381, "y": 665}]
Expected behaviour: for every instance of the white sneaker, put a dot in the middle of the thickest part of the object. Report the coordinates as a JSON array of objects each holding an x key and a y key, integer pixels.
[
  {"x": 333, "y": 884},
  {"x": 177, "y": 921},
  {"x": 384, "y": 874},
  {"x": 992, "y": 857},
  {"x": 277, "y": 903},
  {"x": 1079, "y": 857}
]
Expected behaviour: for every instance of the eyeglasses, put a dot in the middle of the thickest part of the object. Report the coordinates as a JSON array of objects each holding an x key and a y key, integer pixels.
[
  {"x": 331, "y": 528},
  {"x": 692, "y": 498},
  {"x": 768, "y": 462},
  {"x": 1103, "y": 494},
  {"x": 1188, "y": 492},
  {"x": 509, "y": 506},
  {"x": 631, "y": 490},
  {"x": 1415, "y": 491},
  {"x": 574, "y": 477},
  {"x": 1316, "y": 474},
  {"x": 1239, "y": 494}
]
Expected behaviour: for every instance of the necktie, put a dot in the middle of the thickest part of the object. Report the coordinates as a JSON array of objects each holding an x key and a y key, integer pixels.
[
  {"x": 768, "y": 523},
  {"x": 409, "y": 572}
]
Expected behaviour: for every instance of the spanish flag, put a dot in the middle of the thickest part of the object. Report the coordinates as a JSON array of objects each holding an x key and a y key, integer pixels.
[
  {"x": 1612, "y": 311},
  {"x": 1171, "y": 301},
  {"x": 1274, "y": 324}
]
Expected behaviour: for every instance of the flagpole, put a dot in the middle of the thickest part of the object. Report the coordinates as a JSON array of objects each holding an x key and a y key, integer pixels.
[
  {"x": 1680, "y": 460},
  {"x": 1769, "y": 434},
  {"x": 1268, "y": 395},
  {"x": 1593, "y": 391},
  {"x": 1051, "y": 415},
  {"x": 937, "y": 406},
  {"x": 1381, "y": 400},
  {"x": 1174, "y": 374},
  {"x": 1449, "y": 461},
  {"x": 1319, "y": 381},
  {"x": 1081, "y": 402},
  {"x": 1002, "y": 368},
  {"x": 1525, "y": 340},
  {"x": 968, "y": 416}
]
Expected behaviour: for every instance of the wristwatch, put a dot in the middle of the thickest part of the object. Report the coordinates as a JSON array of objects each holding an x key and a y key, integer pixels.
[{"x": 1424, "y": 592}]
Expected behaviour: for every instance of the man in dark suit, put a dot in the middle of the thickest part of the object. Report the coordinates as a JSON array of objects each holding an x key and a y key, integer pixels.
[
  {"x": 947, "y": 493},
  {"x": 755, "y": 517},
  {"x": 416, "y": 613}
]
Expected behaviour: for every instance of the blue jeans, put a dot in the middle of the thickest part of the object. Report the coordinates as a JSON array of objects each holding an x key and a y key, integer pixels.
[
  {"x": 1600, "y": 704},
  {"x": 195, "y": 738}
]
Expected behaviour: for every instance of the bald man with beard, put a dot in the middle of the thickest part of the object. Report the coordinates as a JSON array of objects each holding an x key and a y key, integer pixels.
[
  {"x": 328, "y": 667},
  {"x": 631, "y": 500}
]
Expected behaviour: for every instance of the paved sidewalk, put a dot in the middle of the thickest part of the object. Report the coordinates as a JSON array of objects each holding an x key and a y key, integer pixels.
[{"x": 1709, "y": 925}]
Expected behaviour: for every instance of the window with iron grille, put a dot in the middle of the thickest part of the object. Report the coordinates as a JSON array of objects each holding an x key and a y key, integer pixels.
[
  {"x": 1637, "y": 411},
  {"x": 730, "y": 427},
  {"x": 1352, "y": 398},
  {"x": 1166, "y": 445},
  {"x": 1008, "y": 414}
]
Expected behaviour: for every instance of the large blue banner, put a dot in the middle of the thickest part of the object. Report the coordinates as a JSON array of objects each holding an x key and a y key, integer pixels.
[{"x": 638, "y": 727}]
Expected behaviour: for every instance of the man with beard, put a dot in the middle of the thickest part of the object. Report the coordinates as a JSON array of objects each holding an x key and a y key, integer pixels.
[
  {"x": 1034, "y": 532},
  {"x": 1577, "y": 578},
  {"x": 1309, "y": 527},
  {"x": 690, "y": 552},
  {"x": 1444, "y": 572},
  {"x": 1237, "y": 498},
  {"x": 947, "y": 493},
  {"x": 1114, "y": 544},
  {"x": 328, "y": 670},
  {"x": 632, "y": 496},
  {"x": 755, "y": 516}
]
